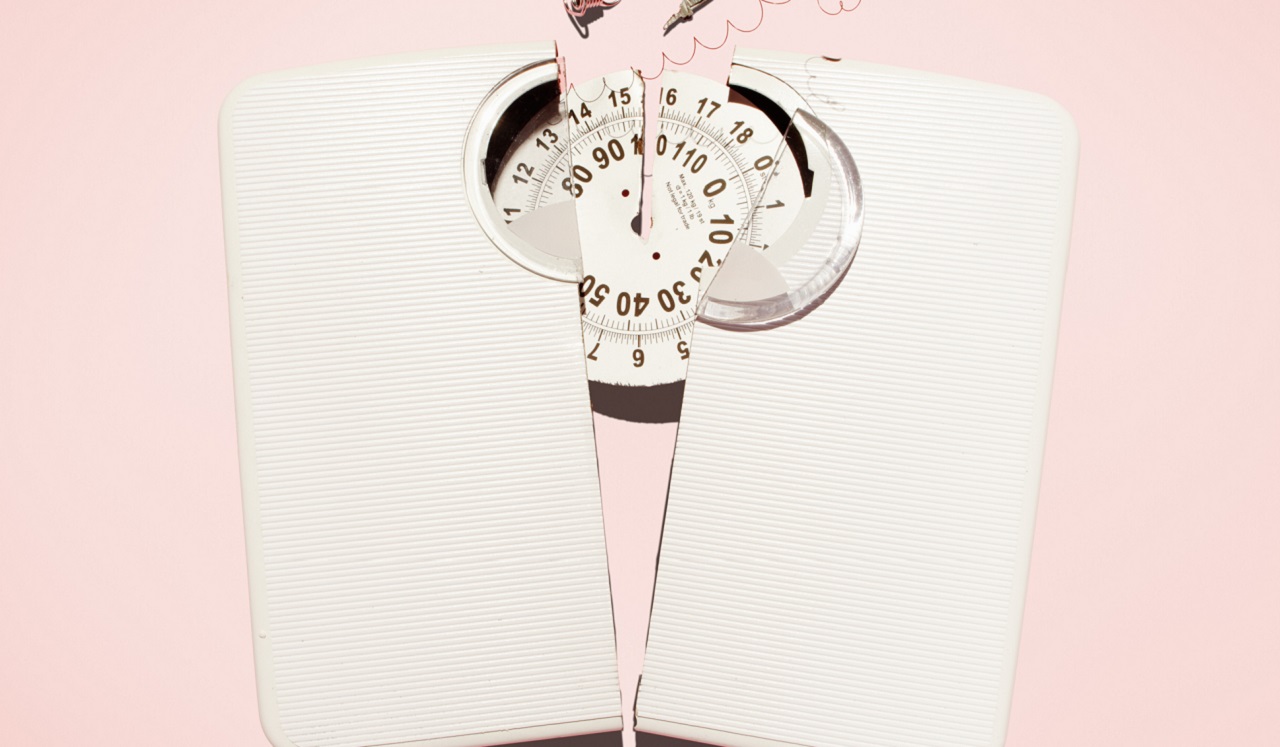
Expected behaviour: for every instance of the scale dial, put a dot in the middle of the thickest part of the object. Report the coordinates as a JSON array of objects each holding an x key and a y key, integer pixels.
[
  {"x": 532, "y": 173},
  {"x": 560, "y": 193},
  {"x": 712, "y": 157}
]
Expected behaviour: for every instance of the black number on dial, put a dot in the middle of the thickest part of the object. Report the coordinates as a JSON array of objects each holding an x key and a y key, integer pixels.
[
  {"x": 603, "y": 155},
  {"x": 597, "y": 292},
  {"x": 523, "y": 168},
  {"x": 627, "y": 303},
  {"x": 573, "y": 185},
  {"x": 550, "y": 135},
  {"x": 574, "y": 115},
  {"x": 668, "y": 299},
  {"x": 721, "y": 236}
]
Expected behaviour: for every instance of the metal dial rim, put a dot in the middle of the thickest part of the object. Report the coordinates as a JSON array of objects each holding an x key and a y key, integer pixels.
[{"x": 787, "y": 307}]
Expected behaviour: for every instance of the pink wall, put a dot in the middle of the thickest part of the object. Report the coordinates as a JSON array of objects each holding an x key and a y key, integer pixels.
[{"x": 1154, "y": 604}]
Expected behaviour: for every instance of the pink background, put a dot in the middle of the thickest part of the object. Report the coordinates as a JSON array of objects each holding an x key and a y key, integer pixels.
[{"x": 1153, "y": 614}]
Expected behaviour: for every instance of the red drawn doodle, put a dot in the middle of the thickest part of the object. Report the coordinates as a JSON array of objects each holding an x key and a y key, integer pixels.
[{"x": 730, "y": 26}]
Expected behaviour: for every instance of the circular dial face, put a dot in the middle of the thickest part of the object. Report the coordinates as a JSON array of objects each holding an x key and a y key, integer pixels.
[
  {"x": 728, "y": 188},
  {"x": 533, "y": 174},
  {"x": 712, "y": 156}
]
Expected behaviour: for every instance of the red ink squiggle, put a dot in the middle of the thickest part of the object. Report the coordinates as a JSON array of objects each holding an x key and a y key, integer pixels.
[
  {"x": 839, "y": 8},
  {"x": 730, "y": 26}
]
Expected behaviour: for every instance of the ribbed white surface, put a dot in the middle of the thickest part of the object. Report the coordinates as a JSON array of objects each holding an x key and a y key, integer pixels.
[
  {"x": 424, "y": 518},
  {"x": 848, "y": 528}
]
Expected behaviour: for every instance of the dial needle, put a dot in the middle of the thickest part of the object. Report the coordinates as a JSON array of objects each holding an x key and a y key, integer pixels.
[{"x": 687, "y": 7}]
